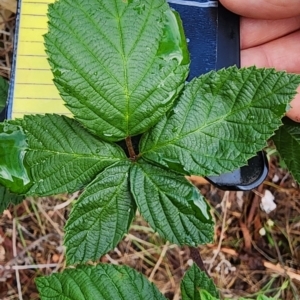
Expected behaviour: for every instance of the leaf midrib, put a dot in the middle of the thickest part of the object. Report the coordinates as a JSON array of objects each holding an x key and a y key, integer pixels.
[
  {"x": 169, "y": 196},
  {"x": 80, "y": 155},
  {"x": 125, "y": 61},
  {"x": 114, "y": 197},
  {"x": 146, "y": 175},
  {"x": 85, "y": 77}
]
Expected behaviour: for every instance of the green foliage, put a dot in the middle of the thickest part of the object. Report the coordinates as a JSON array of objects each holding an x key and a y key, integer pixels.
[
  {"x": 3, "y": 93},
  {"x": 171, "y": 205},
  {"x": 221, "y": 120},
  {"x": 116, "y": 77},
  {"x": 101, "y": 282},
  {"x": 263, "y": 297},
  {"x": 196, "y": 285},
  {"x": 204, "y": 295},
  {"x": 121, "y": 78},
  {"x": 6, "y": 198},
  {"x": 287, "y": 142},
  {"x": 62, "y": 156},
  {"x": 13, "y": 144}
]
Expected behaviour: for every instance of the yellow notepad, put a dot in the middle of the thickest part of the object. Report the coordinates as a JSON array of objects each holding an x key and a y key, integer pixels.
[{"x": 33, "y": 90}]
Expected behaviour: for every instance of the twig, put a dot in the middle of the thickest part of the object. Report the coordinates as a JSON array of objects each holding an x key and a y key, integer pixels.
[
  {"x": 66, "y": 203},
  {"x": 161, "y": 257},
  {"x": 26, "y": 267},
  {"x": 30, "y": 246},
  {"x": 4, "y": 32},
  {"x": 246, "y": 235},
  {"x": 216, "y": 252},
  {"x": 195, "y": 255},
  {"x": 254, "y": 205},
  {"x": 55, "y": 225},
  {"x": 197, "y": 180},
  {"x": 177, "y": 293},
  {"x": 283, "y": 271},
  {"x": 111, "y": 260},
  {"x": 134, "y": 238},
  {"x": 15, "y": 255},
  {"x": 262, "y": 252}
]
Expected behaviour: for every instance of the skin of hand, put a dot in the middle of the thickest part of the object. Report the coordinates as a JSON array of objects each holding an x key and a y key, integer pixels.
[{"x": 270, "y": 37}]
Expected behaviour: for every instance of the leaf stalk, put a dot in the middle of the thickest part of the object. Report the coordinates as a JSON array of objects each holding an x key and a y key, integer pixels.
[
  {"x": 195, "y": 255},
  {"x": 130, "y": 148}
]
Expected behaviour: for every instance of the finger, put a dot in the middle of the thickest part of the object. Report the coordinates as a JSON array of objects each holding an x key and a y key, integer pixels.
[
  {"x": 294, "y": 112},
  {"x": 255, "y": 32},
  {"x": 264, "y": 9},
  {"x": 281, "y": 54}
]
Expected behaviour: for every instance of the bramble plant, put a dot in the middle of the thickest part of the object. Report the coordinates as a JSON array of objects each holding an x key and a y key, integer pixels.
[{"x": 138, "y": 130}]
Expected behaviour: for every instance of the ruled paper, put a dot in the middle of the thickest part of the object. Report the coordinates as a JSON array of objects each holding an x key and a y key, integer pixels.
[{"x": 34, "y": 91}]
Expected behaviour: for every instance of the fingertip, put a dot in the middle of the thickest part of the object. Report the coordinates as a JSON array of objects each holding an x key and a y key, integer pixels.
[
  {"x": 233, "y": 6},
  {"x": 263, "y": 9}
]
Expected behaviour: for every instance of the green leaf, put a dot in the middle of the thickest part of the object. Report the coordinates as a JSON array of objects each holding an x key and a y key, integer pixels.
[
  {"x": 101, "y": 215},
  {"x": 222, "y": 119},
  {"x": 194, "y": 281},
  {"x": 3, "y": 93},
  {"x": 62, "y": 156},
  {"x": 287, "y": 142},
  {"x": 101, "y": 282},
  {"x": 205, "y": 295},
  {"x": 117, "y": 64},
  {"x": 6, "y": 198},
  {"x": 263, "y": 297},
  {"x": 171, "y": 205},
  {"x": 13, "y": 171}
]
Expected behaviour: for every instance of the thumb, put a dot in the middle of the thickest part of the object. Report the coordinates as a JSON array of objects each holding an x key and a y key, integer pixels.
[{"x": 264, "y": 9}]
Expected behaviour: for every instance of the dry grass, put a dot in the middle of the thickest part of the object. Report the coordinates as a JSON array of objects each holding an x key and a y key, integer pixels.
[{"x": 241, "y": 260}]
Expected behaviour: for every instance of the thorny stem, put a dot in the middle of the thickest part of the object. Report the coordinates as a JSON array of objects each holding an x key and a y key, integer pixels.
[
  {"x": 130, "y": 148},
  {"x": 195, "y": 255}
]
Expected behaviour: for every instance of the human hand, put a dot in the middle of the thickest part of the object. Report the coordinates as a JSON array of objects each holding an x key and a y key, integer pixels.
[{"x": 270, "y": 37}]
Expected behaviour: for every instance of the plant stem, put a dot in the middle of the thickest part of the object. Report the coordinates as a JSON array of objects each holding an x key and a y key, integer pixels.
[
  {"x": 195, "y": 255},
  {"x": 130, "y": 148}
]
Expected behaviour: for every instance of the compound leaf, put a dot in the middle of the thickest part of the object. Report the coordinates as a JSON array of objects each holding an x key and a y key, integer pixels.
[
  {"x": 222, "y": 119},
  {"x": 117, "y": 64},
  {"x": 194, "y": 281},
  {"x": 62, "y": 156},
  {"x": 287, "y": 142},
  {"x": 171, "y": 205},
  {"x": 101, "y": 282},
  {"x": 6, "y": 198},
  {"x": 101, "y": 215}
]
